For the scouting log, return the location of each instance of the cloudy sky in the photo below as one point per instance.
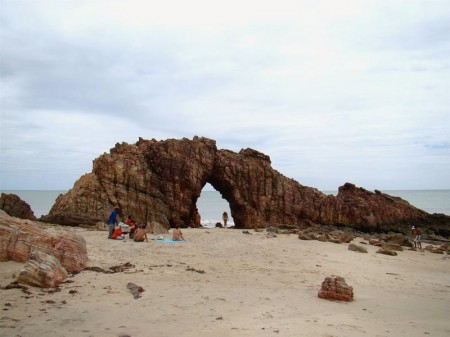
(333, 91)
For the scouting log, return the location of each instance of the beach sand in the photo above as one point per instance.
(251, 286)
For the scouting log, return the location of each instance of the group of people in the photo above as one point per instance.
(139, 234)
(137, 231)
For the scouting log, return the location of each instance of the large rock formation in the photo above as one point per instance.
(14, 206)
(19, 238)
(160, 181)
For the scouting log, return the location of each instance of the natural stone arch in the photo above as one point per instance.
(161, 181)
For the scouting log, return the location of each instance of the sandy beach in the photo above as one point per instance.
(222, 282)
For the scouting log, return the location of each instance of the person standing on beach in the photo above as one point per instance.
(197, 219)
(225, 219)
(112, 221)
(417, 235)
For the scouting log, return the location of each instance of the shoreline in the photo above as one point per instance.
(439, 203)
(252, 285)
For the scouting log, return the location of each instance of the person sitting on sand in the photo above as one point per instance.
(117, 235)
(141, 234)
(133, 229)
(177, 234)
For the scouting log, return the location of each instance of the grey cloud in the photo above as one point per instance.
(328, 101)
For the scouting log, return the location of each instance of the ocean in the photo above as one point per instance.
(211, 205)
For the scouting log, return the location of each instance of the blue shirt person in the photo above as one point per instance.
(112, 221)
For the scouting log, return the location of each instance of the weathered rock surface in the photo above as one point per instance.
(19, 238)
(356, 248)
(334, 288)
(435, 250)
(326, 234)
(42, 270)
(393, 246)
(161, 181)
(397, 238)
(14, 206)
(386, 252)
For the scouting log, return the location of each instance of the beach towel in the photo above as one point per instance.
(168, 240)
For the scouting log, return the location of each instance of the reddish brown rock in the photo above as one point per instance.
(19, 238)
(397, 238)
(161, 181)
(42, 270)
(14, 206)
(334, 288)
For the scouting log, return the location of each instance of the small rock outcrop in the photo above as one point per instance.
(393, 246)
(334, 288)
(14, 206)
(136, 290)
(386, 252)
(19, 238)
(42, 270)
(356, 248)
(161, 181)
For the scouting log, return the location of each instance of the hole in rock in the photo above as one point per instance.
(211, 206)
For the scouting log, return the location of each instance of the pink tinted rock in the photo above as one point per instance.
(19, 238)
(42, 270)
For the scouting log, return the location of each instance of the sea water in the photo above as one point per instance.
(211, 205)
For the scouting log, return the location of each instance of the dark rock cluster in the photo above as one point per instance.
(14, 206)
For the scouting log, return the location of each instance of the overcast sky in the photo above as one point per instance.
(333, 91)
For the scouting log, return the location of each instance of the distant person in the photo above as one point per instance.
(417, 235)
(225, 219)
(112, 221)
(197, 219)
(129, 221)
(141, 234)
(177, 235)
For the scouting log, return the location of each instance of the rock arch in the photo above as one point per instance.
(161, 181)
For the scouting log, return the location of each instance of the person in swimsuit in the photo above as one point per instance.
(141, 234)
(177, 234)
